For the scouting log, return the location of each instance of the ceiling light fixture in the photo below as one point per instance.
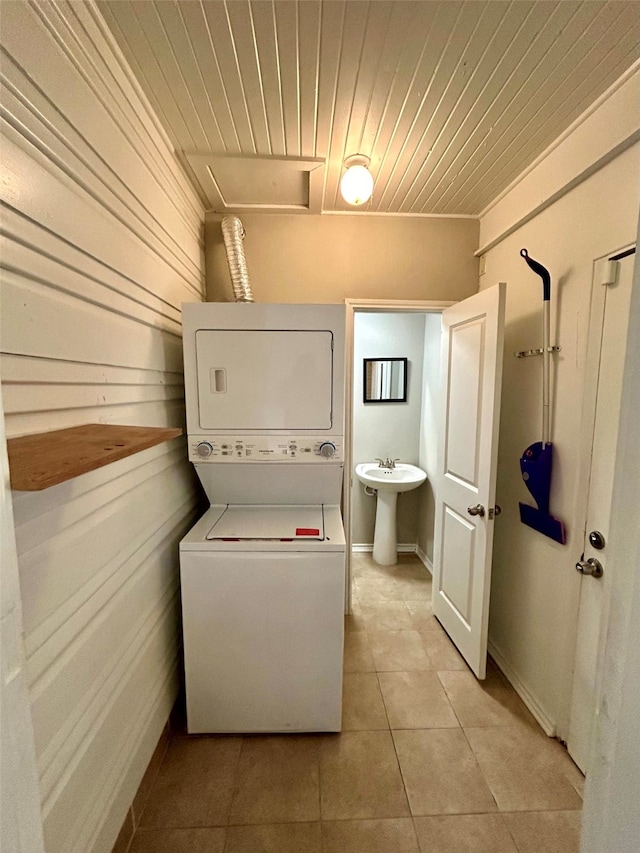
(356, 185)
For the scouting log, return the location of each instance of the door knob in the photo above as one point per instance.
(592, 567)
(478, 509)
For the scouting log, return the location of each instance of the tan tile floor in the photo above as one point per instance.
(429, 761)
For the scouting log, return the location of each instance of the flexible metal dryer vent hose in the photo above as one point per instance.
(233, 233)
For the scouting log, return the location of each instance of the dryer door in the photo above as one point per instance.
(264, 379)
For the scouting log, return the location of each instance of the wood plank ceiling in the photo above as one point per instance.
(450, 100)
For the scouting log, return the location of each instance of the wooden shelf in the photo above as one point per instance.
(48, 458)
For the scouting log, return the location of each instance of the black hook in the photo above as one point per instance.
(543, 272)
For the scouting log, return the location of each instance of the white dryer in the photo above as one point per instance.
(263, 571)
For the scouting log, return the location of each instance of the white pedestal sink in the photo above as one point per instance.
(388, 482)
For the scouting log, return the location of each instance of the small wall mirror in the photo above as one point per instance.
(385, 380)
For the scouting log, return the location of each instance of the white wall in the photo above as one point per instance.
(20, 823)
(534, 595)
(430, 420)
(386, 429)
(103, 242)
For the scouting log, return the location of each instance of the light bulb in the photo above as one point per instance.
(356, 185)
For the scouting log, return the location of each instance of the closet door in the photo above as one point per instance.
(472, 344)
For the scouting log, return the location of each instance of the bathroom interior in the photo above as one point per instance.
(406, 431)
(127, 127)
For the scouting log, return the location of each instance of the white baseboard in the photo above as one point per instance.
(424, 559)
(367, 547)
(547, 724)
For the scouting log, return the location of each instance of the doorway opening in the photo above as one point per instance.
(386, 329)
(459, 400)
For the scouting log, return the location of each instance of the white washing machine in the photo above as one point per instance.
(263, 571)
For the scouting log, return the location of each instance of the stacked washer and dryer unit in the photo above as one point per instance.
(263, 571)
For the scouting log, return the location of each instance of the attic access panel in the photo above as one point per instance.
(276, 184)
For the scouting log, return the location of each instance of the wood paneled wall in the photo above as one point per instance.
(101, 242)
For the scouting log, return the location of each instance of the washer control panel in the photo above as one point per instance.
(265, 448)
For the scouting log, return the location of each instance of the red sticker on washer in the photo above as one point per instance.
(307, 531)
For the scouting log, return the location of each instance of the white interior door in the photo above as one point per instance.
(609, 329)
(472, 345)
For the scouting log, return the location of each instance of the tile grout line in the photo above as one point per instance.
(235, 789)
(482, 773)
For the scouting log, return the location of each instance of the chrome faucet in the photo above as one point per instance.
(387, 463)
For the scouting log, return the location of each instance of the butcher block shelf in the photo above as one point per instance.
(48, 458)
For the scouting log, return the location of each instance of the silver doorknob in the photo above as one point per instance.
(592, 567)
(478, 509)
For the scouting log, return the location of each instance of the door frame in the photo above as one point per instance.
(618, 694)
(372, 306)
(604, 274)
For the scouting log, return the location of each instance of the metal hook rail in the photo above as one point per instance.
(527, 353)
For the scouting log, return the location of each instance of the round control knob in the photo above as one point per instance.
(327, 449)
(204, 449)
